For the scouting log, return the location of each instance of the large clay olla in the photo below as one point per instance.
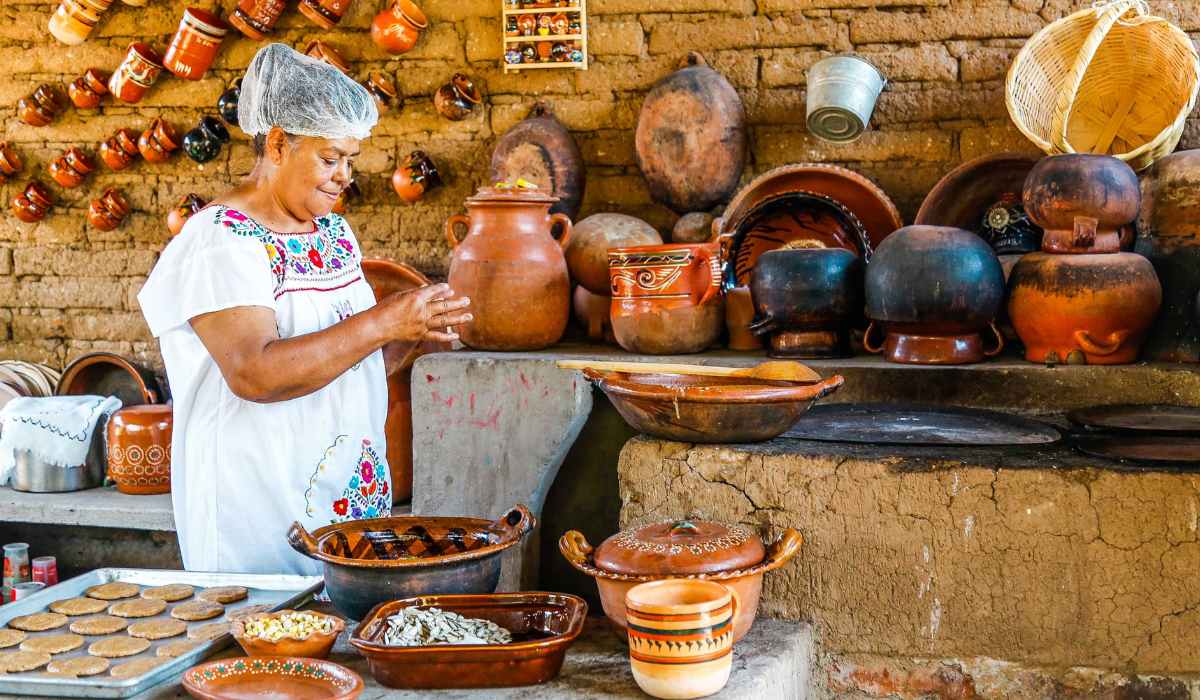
(1078, 309)
(1082, 201)
(541, 150)
(669, 330)
(587, 251)
(691, 138)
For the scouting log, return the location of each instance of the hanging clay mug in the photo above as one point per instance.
(666, 299)
(203, 143)
(324, 52)
(32, 204)
(87, 90)
(135, 75)
(256, 18)
(71, 168)
(10, 161)
(42, 106)
(195, 44)
(324, 13)
(227, 103)
(107, 212)
(456, 99)
(382, 89)
(415, 176)
(1082, 201)
(157, 143)
(120, 150)
(398, 27)
(181, 212)
(350, 193)
(74, 20)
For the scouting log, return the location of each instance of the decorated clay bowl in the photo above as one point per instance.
(368, 562)
(316, 646)
(272, 677)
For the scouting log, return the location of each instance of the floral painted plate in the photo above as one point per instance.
(256, 677)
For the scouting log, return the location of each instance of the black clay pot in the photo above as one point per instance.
(807, 299)
(933, 289)
(227, 104)
(203, 143)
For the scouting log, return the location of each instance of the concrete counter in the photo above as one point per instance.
(100, 507)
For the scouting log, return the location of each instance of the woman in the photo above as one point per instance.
(275, 348)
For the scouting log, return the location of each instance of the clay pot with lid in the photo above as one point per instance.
(730, 554)
(415, 176)
(1083, 309)
(139, 449)
(512, 269)
(195, 44)
(157, 143)
(71, 168)
(324, 52)
(188, 205)
(539, 149)
(256, 18)
(457, 99)
(203, 143)
(42, 106)
(107, 212)
(666, 298)
(33, 203)
(398, 27)
(10, 161)
(692, 162)
(591, 239)
(933, 292)
(89, 89)
(120, 149)
(74, 20)
(1082, 201)
(137, 72)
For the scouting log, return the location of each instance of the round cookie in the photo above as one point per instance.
(38, 622)
(113, 591)
(170, 592)
(79, 666)
(100, 624)
(246, 611)
(177, 648)
(137, 667)
(197, 610)
(11, 638)
(78, 606)
(21, 661)
(208, 632)
(141, 607)
(157, 629)
(224, 594)
(116, 647)
(52, 643)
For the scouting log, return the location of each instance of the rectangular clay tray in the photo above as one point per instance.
(279, 592)
(543, 625)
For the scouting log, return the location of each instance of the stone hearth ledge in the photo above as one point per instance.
(100, 507)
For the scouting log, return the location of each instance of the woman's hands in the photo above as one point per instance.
(420, 314)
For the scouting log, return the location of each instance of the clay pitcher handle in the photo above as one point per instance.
(1085, 232)
(693, 59)
(763, 326)
(514, 524)
(301, 541)
(999, 341)
(1094, 347)
(709, 263)
(783, 549)
(565, 220)
(456, 219)
(867, 340)
(575, 549)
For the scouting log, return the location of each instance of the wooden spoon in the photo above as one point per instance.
(778, 370)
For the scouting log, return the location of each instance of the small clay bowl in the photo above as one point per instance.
(119, 151)
(87, 90)
(316, 646)
(157, 143)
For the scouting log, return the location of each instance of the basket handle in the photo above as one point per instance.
(1109, 14)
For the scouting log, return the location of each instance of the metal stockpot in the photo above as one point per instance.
(842, 91)
(37, 476)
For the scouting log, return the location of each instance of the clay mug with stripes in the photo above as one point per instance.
(681, 636)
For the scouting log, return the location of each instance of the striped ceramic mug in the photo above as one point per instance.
(680, 636)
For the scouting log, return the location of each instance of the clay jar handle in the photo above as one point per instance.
(874, 349)
(1085, 232)
(999, 341)
(763, 326)
(783, 549)
(693, 59)
(566, 228)
(708, 262)
(456, 219)
(575, 548)
(1094, 347)
(514, 524)
(301, 541)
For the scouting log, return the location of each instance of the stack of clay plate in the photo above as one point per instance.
(25, 379)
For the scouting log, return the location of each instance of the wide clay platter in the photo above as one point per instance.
(1163, 450)
(262, 678)
(1149, 419)
(901, 424)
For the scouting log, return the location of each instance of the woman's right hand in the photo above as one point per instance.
(426, 313)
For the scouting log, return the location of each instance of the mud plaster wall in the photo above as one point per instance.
(66, 288)
(953, 561)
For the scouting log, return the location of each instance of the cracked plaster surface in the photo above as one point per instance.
(949, 558)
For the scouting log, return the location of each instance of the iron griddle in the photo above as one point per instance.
(1150, 419)
(912, 424)
(1166, 450)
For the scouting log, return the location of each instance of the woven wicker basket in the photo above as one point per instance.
(1109, 79)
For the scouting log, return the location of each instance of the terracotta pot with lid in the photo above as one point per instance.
(687, 548)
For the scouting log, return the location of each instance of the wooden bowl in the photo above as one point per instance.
(315, 646)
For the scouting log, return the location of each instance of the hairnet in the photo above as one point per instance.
(302, 96)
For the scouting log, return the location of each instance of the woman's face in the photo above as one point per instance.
(311, 172)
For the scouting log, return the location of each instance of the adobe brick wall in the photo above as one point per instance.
(66, 288)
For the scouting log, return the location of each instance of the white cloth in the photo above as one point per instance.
(242, 471)
(56, 429)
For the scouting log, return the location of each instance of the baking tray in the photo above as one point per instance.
(279, 592)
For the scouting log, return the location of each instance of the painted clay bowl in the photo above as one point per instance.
(316, 646)
(254, 678)
(371, 561)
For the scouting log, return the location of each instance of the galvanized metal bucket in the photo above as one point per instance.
(842, 91)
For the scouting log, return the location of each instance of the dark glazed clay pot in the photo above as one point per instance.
(457, 99)
(933, 289)
(415, 176)
(807, 299)
(539, 149)
(691, 138)
(984, 195)
(203, 143)
(1081, 201)
(227, 103)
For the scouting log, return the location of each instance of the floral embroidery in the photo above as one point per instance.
(368, 493)
(323, 260)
